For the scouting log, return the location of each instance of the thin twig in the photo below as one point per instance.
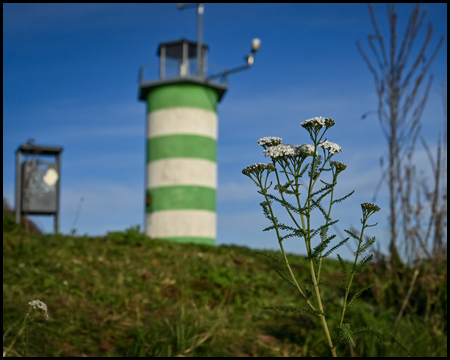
(399, 316)
(409, 354)
(14, 352)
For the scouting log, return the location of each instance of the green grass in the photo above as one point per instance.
(127, 295)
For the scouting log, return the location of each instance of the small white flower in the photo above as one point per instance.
(38, 304)
(272, 140)
(318, 122)
(281, 150)
(315, 121)
(255, 168)
(331, 147)
(307, 148)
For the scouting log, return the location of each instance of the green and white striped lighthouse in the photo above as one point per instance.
(181, 152)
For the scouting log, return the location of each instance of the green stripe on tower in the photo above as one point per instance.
(181, 146)
(181, 163)
(182, 197)
(182, 95)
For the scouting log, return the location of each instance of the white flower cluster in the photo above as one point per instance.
(369, 207)
(318, 120)
(254, 167)
(338, 165)
(331, 147)
(272, 140)
(37, 304)
(257, 168)
(307, 148)
(288, 150)
(281, 150)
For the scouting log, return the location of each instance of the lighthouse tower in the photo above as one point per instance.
(181, 152)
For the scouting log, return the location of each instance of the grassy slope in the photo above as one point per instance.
(128, 295)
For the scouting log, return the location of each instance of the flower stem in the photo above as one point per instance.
(347, 291)
(319, 301)
(24, 324)
(308, 247)
(284, 254)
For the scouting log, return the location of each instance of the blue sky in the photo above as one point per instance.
(70, 79)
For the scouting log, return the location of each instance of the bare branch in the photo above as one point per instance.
(399, 81)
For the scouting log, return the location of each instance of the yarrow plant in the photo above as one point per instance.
(31, 314)
(289, 164)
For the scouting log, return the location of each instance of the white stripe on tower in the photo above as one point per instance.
(182, 120)
(180, 171)
(182, 223)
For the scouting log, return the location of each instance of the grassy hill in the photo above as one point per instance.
(127, 295)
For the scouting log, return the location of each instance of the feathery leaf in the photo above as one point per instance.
(302, 172)
(286, 278)
(366, 245)
(346, 334)
(269, 256)
(271, 227)
(314, 232)
(353, 235)
(343, 198)
(343, 271)
(319, 248)
(358, 294)
(367, 330)
(284, 203)
(326, 188)
(294, 309)
(335, 247)
(364, 262)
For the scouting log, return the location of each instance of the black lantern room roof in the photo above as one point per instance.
(174, 49)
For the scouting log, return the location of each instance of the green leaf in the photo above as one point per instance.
(283, 189)
(353, 235)
(294, 309)
(302, 172)
(309, 290)
(294, 231)
(343, 198)
(367, 330)
(346, 334)
(297, 233)
(343, 271)
(284, 203)
(335, 247)
(269, 256)
(326, 188)
(316, 204)
(366, 245)
(269, 228)
(358, 294)
(367, 225)
(319, 229)
(286, 278)
(286, 227)
(319, 248)
(364, 262)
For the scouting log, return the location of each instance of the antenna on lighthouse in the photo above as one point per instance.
(200, 11)
(250, 58)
